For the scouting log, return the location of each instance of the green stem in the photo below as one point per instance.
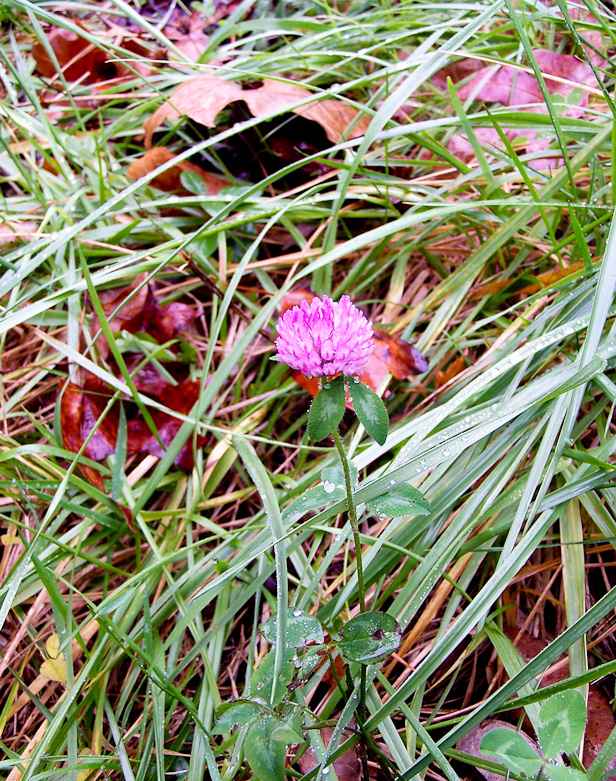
(352, 520)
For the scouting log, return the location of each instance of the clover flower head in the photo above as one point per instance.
(324, 337)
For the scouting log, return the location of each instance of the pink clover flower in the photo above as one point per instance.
(324, 337)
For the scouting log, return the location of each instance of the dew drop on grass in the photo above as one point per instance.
(325, 771)
(328, 487)
(446, 452)
(297, 612)
(392, 482)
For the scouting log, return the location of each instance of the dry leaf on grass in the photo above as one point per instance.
(135, 308)
(469, 744)
(202, 98)
(77, 57)
(170, 180)
(187, 32)
(11, 232)
(346, 767)
(82, 406)
(334, 116)
(564, 76)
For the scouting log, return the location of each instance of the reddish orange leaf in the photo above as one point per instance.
(170, 180)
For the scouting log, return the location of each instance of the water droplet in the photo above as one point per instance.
(327, 385)
(325, 771)
(419, 470)
(259, 687)
(356, 696)
(467, 419)
(393, 482)
(356, 380)
(446, 452)
(303, 498)
(328, 487)
(465, 438)
(297, 612)
(214, 560)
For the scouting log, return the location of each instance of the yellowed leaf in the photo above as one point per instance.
(83, 775)
(52, 646)
(55, 669)
(9, 539)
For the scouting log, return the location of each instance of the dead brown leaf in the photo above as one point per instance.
(77, 57)
(600, 722)
(346, 767)
(455, 367)
(170, 180)
(510, 86)
(80, 410)
(187, 32)
(543, 280)
(10, 232)
(134, 308)
(334, 116)
(203, 97)
(180, 398)
(470, 743)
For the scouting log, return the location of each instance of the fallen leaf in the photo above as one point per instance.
(455, 367)
(187, 32)
(55, 669)
(544, 280)
(134, 308)
(77, 57)
(170, 180)
(599, 724)
(513, 87)
(469, 744)
(52, 645)
(562, 73)
(202, 98)
(74, 433)
(180, 398)
(11, 232)
(334, 116)
(346, 767)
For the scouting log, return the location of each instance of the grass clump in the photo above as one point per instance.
(150, 449)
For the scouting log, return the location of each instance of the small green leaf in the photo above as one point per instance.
(264, 753)
(290, 729)
(370, 410)
(313, 499)
(562, 773)
(302, 628)
(369, 638)
(563, 720)
(308, 662)
(326, 410)
(233, 713)
(263, 677)
(512, 750)
(401, 500)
